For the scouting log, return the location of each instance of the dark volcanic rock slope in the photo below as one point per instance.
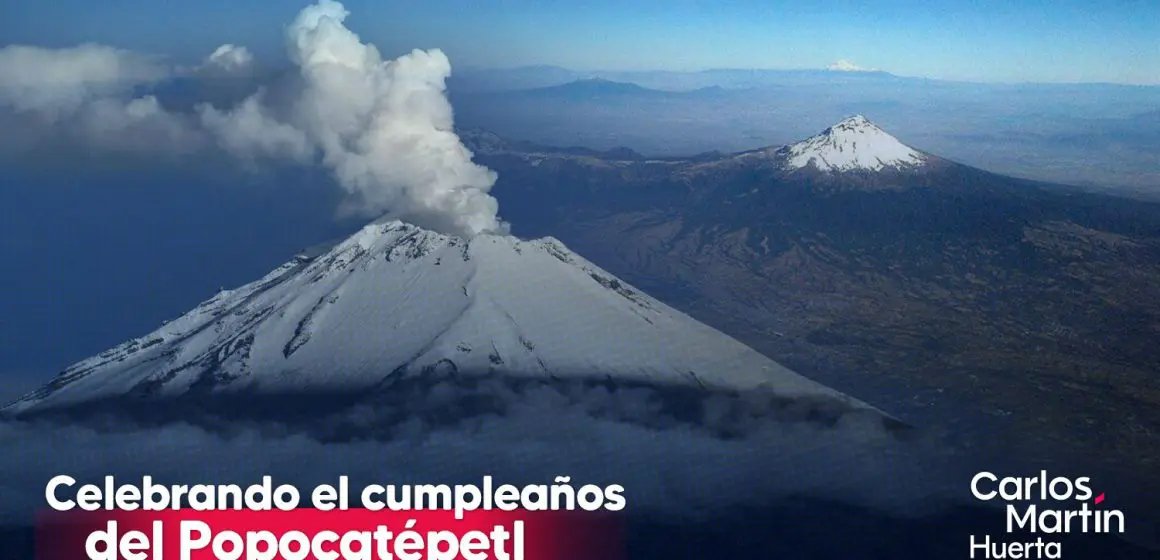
(965, 296)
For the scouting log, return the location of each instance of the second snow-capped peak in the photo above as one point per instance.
(853, 144)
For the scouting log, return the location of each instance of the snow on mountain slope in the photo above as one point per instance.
(847, 66)
(396, 300)
(853, 144)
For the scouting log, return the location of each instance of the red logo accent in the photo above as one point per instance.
(1099, 498)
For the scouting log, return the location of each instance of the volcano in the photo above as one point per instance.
(963, 297)
(854, 143)
(395, 302)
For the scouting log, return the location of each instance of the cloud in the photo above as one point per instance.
(384, 127)
(671, 464)
(58, 82)
(249, 132)
(847, 66)
(229, 58)
(85, 94)
(137, 125)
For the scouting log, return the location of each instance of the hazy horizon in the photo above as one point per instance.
(990, 41)
(787, 69)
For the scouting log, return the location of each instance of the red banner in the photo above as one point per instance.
(303, 534)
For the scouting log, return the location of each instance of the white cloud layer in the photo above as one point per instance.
(57, 82)
(670, 466)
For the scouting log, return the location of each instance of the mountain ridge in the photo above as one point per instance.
(595, 87)
(967, 296)
(852, 146)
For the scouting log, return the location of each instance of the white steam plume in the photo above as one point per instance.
(385, 127)
(249, 132)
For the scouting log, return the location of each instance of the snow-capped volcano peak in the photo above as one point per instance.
(856, 122)
(853, 144)
(847, 66)
(395, 301)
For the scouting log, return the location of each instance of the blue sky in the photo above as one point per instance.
(979, 40)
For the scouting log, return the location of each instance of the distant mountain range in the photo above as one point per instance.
(1097, 135)
(531, 77)
(967, 296)
(537, 76)
(596, 88)
(1102, 136)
